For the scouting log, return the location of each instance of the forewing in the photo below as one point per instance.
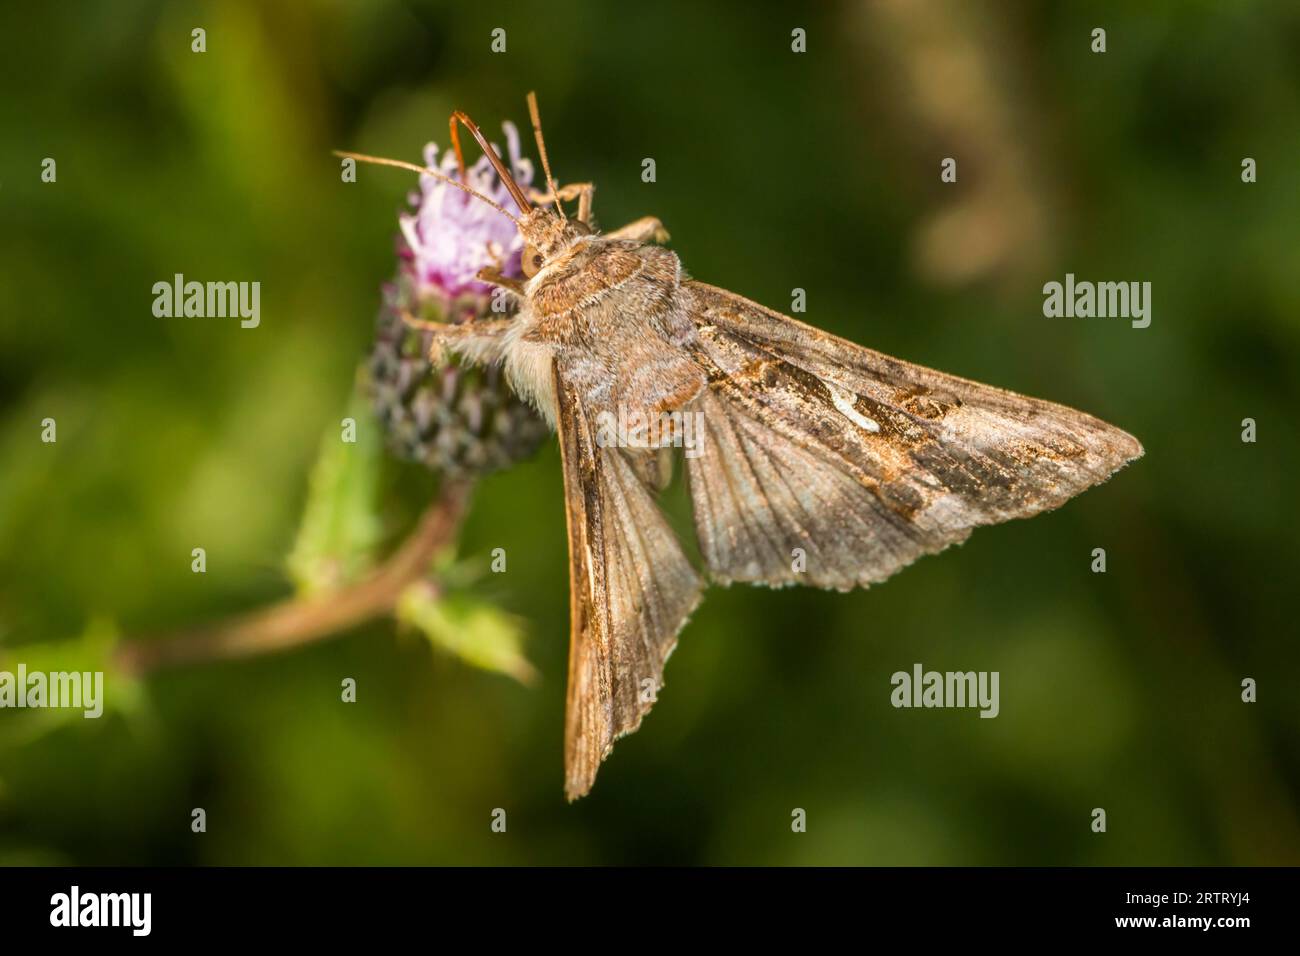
(862, 461)
(631, 590)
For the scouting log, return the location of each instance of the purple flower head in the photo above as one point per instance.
(451, 235)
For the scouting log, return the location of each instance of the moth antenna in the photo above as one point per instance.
(516, 193)
(426, 171)
(541, 149)
(455, 147)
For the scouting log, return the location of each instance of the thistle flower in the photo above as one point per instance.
(451, 236)
(454, 419)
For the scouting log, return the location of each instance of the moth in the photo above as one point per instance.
(820, 462)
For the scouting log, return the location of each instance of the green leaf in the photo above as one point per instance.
(471, 629)
(340, 525)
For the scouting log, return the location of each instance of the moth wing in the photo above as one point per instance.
(631, 591)
(863, 461)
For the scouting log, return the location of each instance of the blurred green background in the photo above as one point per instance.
(775, 170)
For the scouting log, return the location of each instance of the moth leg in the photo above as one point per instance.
(645, 229)
(494, 277)
(481, 340)
(585, 194)
(580, 191)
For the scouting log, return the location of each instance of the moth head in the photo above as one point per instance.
(546, 231)
(546, 234)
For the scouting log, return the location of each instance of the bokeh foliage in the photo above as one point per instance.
(775, 171)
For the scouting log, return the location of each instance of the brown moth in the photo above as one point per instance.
(810, 445)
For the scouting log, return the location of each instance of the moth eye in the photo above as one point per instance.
(531, 261)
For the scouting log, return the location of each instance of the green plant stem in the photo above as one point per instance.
(297, 621)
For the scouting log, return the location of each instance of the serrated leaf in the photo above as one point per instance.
(340, 525)
(471, 629)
